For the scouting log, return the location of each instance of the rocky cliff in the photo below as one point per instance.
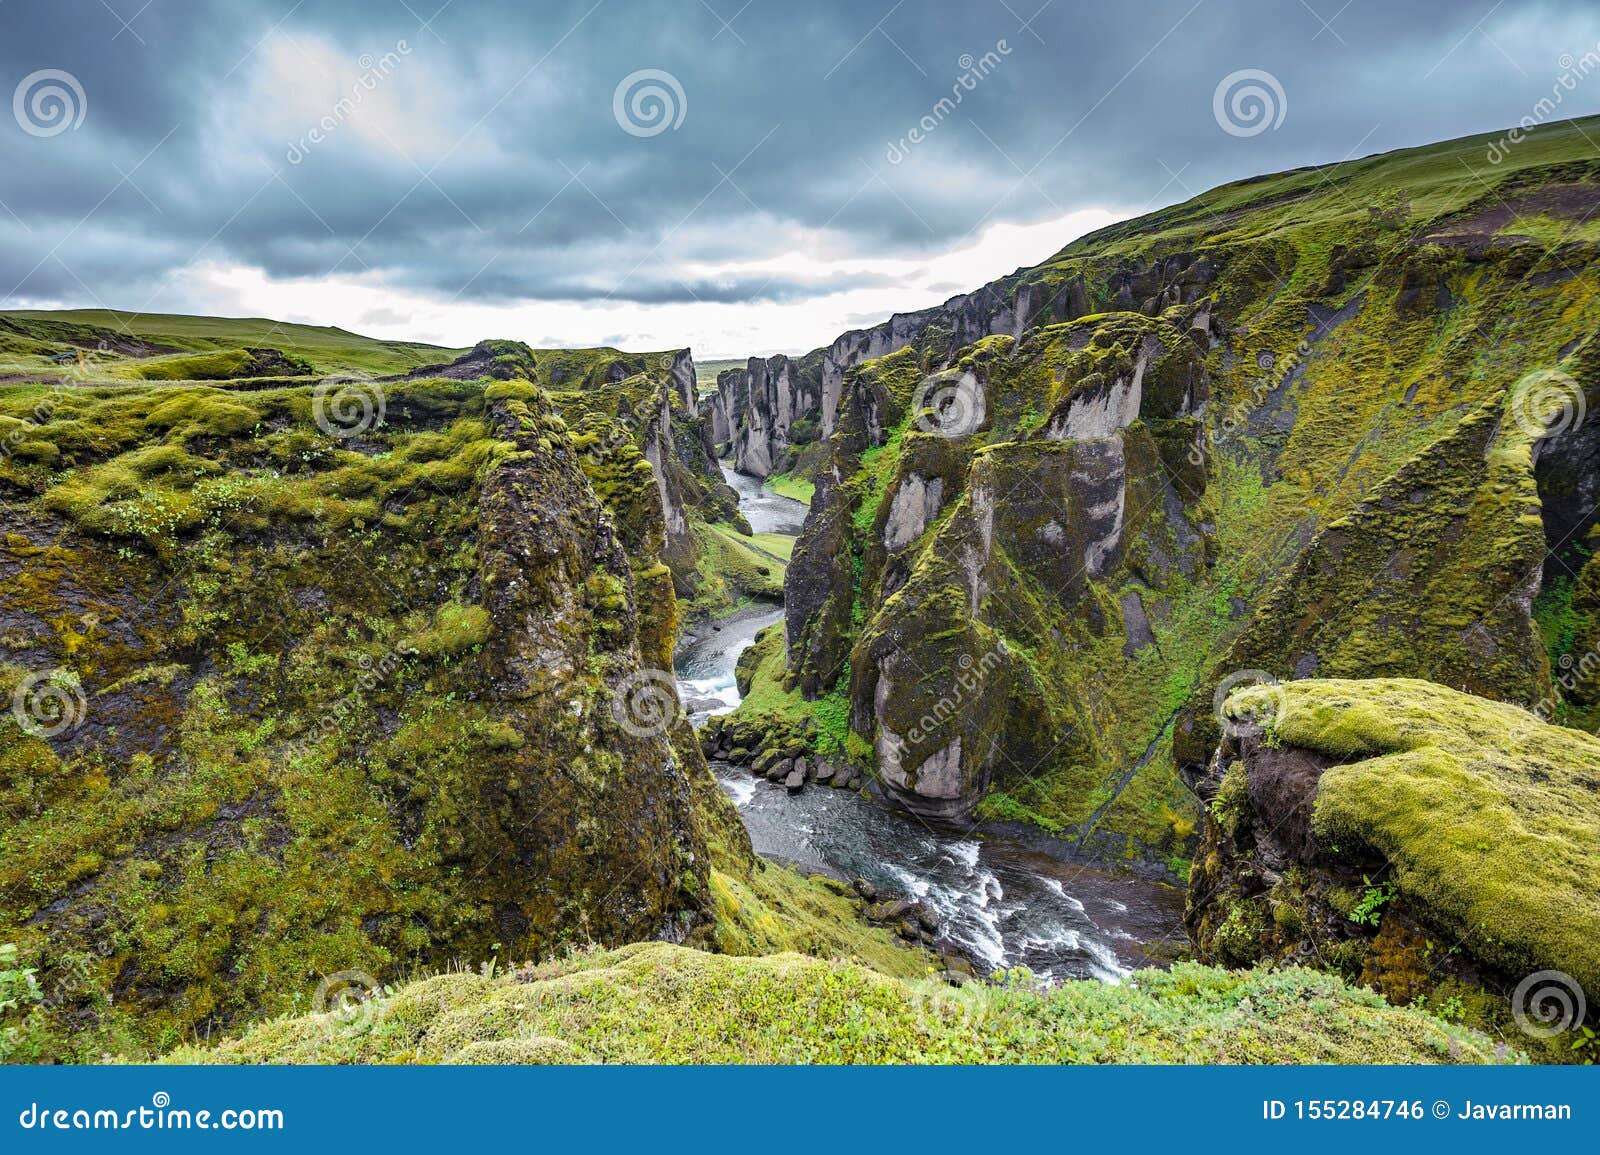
(337, 683)
(1326, 423)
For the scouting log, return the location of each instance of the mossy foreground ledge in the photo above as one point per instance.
(1429, 844)
(656, 1003)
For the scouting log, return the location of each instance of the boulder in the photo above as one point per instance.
(804, 766)
(795, 782)
(865, 889)
(823, 773)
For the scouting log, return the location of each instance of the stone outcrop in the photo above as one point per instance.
(375, 709)
(1421, 841)
(1175, 452)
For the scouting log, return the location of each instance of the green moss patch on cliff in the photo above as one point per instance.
(334, 703)
(1489, 818)
(654, 1003)
(795, 488)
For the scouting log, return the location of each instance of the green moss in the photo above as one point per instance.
(654, 1003)
(796, 488)
(1488, 816)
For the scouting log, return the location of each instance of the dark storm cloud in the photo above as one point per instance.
(486, 162)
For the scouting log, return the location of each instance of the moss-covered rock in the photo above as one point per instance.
(1409, 835)
(297, 704)
(1264, 430)
(654, 1003)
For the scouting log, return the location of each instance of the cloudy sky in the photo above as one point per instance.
(739, 175)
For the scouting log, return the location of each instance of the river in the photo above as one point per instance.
(1001, 901)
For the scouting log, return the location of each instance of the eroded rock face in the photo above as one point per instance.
(764, 411)
(1277, 450)
(328, 744)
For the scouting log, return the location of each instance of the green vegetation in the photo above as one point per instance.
(112, 340)
(1488, 817)
(654, 1003)
(788, 485)
(1274, 428)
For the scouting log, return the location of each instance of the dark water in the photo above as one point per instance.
(765, 510)
(705, 661)
(1000, 901)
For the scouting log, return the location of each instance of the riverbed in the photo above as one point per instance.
(1001, 902)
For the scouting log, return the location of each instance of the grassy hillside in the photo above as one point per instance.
(30, 339)
(654, 1003)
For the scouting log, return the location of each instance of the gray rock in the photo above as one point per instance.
(795, 781)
